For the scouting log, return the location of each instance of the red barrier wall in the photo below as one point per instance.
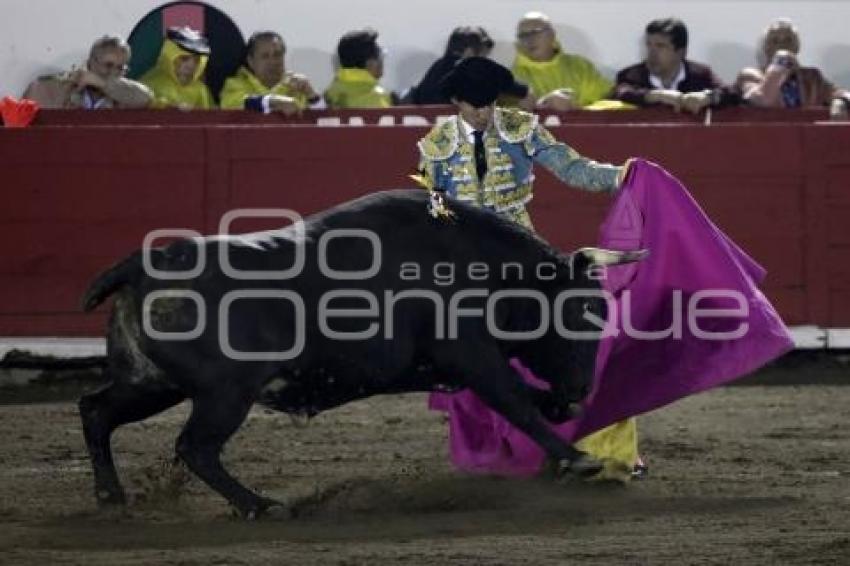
(75, 199)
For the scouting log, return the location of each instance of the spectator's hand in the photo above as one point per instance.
(783, 64)
(559, 100)
(694, 102)
(83, 78)
(838, 109)
(300, 84)
(286, 105)
(668, 97)
(747, 79)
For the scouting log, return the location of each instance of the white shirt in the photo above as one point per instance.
(466, 129)
(656, 81)
(91, 103)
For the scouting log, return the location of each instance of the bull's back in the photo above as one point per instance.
(400, 219)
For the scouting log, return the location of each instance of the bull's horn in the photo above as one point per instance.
(599, 256)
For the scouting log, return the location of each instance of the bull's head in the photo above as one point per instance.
(566, 356)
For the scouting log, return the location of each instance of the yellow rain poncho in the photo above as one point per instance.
(563, 71)
(168, 92)
(356, 88)
(245, 83)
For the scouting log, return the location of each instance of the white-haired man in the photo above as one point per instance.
(101, 84)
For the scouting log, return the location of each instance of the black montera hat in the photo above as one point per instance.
(479, 81)
(189, 39)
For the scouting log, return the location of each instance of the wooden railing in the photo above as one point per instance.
(81, 189)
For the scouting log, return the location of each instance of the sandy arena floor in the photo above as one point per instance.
(753, 474)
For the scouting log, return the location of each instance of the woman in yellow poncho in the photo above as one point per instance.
(176, 77)
(558, 80)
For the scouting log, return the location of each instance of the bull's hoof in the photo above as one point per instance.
(110, 497)
(584, 466)
(268, 509)
(299, 420)
(613, 472)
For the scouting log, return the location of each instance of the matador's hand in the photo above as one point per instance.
(624, 171)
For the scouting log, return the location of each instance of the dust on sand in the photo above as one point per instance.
(756, 474)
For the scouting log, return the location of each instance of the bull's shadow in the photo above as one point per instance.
(375, 510)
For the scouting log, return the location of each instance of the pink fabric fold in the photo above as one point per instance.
(688, 254)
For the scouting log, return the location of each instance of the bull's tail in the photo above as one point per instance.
(125, 272)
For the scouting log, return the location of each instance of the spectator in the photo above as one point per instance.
(464, 41)
(667, 77)
(176, 77)
(782, 82)
(361, 65)
(263, 84)
(100, 85)
(559, 81)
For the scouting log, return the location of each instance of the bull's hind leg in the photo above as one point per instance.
(216, 415)
(102, 412)
(499, 386)
(137, 390)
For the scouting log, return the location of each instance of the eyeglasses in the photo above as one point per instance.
(530, 33)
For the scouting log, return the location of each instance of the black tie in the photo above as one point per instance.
(480, 156)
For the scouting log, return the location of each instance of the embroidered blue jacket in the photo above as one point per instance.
(513, 144)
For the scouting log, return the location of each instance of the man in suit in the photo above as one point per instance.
(667, 77)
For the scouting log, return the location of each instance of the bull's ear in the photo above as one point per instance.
(583, 257)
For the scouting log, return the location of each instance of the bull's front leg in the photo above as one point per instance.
(215, 416)
(499, 386)
(551, 408)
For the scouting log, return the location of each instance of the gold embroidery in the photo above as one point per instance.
(469, 190)
(499, 190)
(546, 136)
(441, 142)
(508, 199)
(499, 178)
(461, 169)
(520, 216)
(514, 126)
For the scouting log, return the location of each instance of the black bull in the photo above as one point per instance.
(410, 303)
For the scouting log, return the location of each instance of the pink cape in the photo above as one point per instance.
(688, 254)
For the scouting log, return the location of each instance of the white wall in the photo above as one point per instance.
(39, 36)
